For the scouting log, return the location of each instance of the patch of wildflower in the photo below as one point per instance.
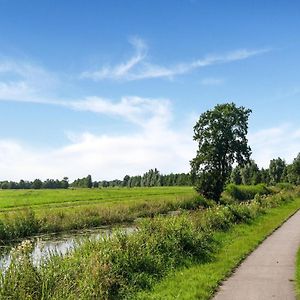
(22, 251)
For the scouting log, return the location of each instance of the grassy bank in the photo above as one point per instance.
(25, 213)
(298, 275)
(118, 268)
(200, 281)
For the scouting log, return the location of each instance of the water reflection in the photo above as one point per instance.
(60, 243)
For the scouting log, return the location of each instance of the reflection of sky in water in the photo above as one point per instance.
(47, 244)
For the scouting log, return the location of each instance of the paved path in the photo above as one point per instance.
(268, 272)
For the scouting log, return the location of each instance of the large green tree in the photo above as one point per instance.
(221, 134)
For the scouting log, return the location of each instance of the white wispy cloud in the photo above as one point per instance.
(139, 67)
(21, 82)
(24, 81)
(155, 143)
(16, 90)
(26, 71)
(145, 112)
(135, 109)
(121, 70)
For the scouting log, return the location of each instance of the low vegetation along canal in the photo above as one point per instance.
(45, 245)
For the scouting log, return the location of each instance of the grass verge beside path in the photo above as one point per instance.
(200, 281)
(298, 275)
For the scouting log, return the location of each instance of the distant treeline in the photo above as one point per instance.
(149, 179)
(278, 171)
(36, 184)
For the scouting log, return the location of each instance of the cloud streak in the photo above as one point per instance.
(140, 111)
(145, 112)
(21, 83)
(124, 68)
(154, 143)
(24, 81)
(139, 67)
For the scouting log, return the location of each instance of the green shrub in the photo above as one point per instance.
(285, 186)
(198, 201)
(245, 192)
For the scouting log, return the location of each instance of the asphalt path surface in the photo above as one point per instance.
(268, 272)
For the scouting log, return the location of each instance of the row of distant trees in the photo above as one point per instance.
(149, 179)
(278, 171)
(36, 184)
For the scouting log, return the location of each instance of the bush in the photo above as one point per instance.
(245, 192)
(285, 186)
(199, 201)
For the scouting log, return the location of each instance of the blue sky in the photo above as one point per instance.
(110, 88)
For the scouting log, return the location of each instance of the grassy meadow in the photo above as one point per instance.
(69, 198)
(28, 212)
(204, 246)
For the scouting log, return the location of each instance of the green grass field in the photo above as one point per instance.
(39, 199)
(28, 212)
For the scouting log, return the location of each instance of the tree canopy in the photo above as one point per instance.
(221, 134)
(276, 170)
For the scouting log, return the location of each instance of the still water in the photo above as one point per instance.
(44, 245)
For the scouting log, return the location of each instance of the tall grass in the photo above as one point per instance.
(47, 199)
(118, 267)
(26, 222)
(200, 281)
(18, 225)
